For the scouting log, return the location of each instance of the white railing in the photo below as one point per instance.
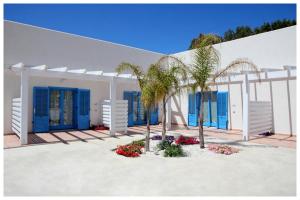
(260, 117)
(16, 116)
(121, 114)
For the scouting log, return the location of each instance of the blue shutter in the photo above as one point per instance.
(154, 116)
(129, 97)
(194, 107)
(222, 110)
(40, 109)
(83, 111)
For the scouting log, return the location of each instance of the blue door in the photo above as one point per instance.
(83, 109)
(40, 109)
(194, 108)
(222, 110)
(154, 115)
(129, 97)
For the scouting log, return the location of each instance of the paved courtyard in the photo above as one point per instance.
(92, 168)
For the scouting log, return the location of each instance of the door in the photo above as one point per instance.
(40, 109)
(206, 109)
(194, 102)
(129, 97)
(83, 109)
(213, 109)
(61, 108)
(222, 110)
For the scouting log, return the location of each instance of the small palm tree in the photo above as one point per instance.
(147, 88)
(167, 80)
(204, 72)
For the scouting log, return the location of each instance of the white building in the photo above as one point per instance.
(55, 80)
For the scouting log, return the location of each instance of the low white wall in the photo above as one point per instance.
(260, 117)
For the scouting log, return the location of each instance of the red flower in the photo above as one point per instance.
(186, 140)
(129, 150)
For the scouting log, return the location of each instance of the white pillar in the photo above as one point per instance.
(168, 115)
(113, 98)
(246, 108)
(24, 106)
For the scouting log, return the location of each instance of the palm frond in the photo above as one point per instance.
(241, 64)
(133, 69)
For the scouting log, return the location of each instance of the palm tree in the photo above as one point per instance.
(204, 72)
(167, 80)
(147, 88)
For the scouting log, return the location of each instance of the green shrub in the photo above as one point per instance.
(174, 151)
(139, 143)
(163, 145)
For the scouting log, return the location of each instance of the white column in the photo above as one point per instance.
(113, 98)
(168, 115)
(246, 108)
(24, 106)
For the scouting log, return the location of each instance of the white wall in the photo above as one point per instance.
(36, 46)
(271, 49)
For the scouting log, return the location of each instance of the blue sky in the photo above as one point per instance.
(165, 28)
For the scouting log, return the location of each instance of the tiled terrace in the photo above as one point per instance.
(11, 141)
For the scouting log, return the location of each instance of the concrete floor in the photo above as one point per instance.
(91, 168)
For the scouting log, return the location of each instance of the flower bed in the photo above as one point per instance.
(222, 149)
(184, 140)
(131, 150)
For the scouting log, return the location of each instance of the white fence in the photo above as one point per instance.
(121, 114)
(260, 117)
(16, 116)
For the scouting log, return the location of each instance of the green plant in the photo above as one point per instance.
(174, 151)
(139, 143)
(163, 144)
(167, 74)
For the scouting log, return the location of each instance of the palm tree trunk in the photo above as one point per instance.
(201, 137)
(147, 139)
(164, 120)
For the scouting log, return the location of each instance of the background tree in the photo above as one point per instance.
(197, 41)
(244, 31)
(229, 35)
(204, 72)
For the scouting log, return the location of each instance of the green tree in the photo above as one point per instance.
(229, 35)
(265, 27)
(147, 87)
(204, 72)
(167, 76)
(243, 31)
(197, 41)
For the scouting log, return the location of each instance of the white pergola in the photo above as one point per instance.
(26, 71)
(244, 78)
